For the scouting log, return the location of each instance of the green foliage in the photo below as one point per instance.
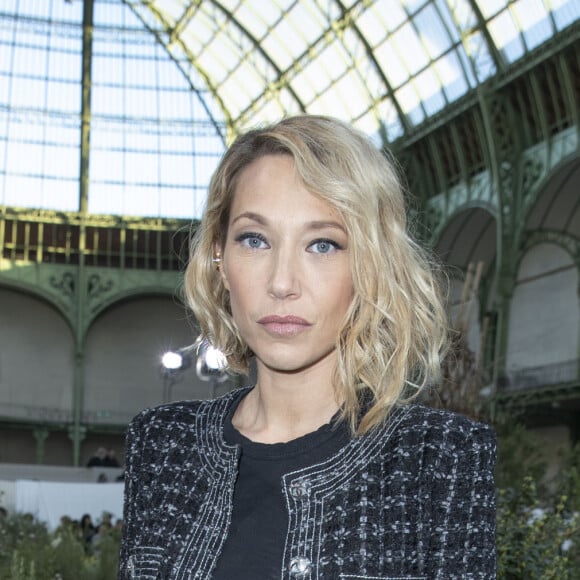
(571, 478)
(29, 552)
(106, 558)
(538, 522)
(519, 454)
(533, 536)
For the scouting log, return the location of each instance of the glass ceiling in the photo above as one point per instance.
(386, 65)
(172, 81)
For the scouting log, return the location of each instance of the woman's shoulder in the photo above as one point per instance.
(180, 414)
(446, 429)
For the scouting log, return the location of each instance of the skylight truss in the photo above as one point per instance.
(386, 65)
(173, 81)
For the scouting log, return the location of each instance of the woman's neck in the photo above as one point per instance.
(283, 407)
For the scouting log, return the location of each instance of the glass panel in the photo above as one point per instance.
(533, 18)
(410, 103)
(145, 120)
(452, 76)
(413, 5)
(429, 88)
(456, 17)
(39, 105)
(410, 49)
(392, 64)
(479, 55)
(284, 44)
(432, 31)
(490, 8)
(565, 12)
(506, 36)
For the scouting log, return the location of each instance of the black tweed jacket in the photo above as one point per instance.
(412, 500)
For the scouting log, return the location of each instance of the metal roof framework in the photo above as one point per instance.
(136, 100)
(385, 65)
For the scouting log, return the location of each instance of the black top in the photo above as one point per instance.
(254, 546)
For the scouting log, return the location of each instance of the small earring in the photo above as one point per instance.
(217, 260)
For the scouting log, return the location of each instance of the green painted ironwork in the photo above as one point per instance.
(43, 252)
(40, 435)
(495, 152)
(81, 265)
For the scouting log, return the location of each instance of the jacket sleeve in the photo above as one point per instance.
(463, 545)
(133, 455)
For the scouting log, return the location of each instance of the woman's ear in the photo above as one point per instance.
(219, 264)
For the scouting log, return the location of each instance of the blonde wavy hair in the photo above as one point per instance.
(395, 331)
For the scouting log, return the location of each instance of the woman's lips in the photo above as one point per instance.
(284, 325)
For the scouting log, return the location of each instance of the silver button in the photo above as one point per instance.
(300, 567)
(300, 489)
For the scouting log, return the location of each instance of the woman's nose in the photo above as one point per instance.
(284, 275)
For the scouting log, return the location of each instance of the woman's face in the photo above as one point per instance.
(286, 266)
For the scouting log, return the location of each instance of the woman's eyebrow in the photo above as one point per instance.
(251, 216)
(322, 224)
(312, 225)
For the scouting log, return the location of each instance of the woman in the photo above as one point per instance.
(324, 469)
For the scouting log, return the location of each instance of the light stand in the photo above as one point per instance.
(173, 363)
(211, 365)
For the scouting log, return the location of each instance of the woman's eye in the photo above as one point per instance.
(323, 246)
(252, 241)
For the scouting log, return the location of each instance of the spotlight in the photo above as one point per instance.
(215, 359)
(172, 360)
(173, 364)
(211, 365)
